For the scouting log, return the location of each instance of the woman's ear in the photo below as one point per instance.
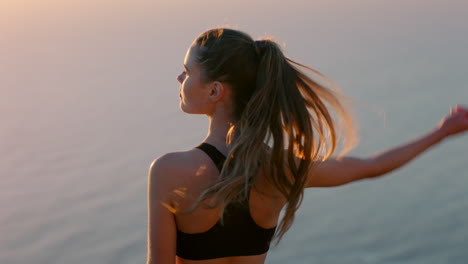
(217, 91)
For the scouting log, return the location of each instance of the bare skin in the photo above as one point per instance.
(176, 178)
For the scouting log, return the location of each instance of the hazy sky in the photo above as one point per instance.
(54, 52)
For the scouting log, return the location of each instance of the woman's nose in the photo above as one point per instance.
(180, 77)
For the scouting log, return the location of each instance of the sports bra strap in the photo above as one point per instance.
(216, 156)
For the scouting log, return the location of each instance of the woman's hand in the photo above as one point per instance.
(456, 122)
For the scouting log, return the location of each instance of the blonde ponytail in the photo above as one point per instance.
(276, 105)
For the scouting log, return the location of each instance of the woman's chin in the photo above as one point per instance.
(184, 108)
(188, 110)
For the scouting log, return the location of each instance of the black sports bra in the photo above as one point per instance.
(239, 235)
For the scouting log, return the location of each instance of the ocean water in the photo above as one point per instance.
(88, 99)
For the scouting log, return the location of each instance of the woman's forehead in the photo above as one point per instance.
(190, 56)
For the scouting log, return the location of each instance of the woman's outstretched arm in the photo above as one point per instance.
(335, 172)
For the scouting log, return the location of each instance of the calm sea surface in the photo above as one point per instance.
(88, 99)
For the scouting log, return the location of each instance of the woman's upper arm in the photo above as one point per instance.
(161, 221)
(335, 172)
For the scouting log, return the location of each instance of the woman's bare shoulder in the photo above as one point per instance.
(174, 161)
(180, 166)
(171, 159)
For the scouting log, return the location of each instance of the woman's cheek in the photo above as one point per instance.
(185, 83)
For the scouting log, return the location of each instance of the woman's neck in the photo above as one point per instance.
(217, 132)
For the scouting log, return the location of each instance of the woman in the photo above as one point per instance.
(271, 134)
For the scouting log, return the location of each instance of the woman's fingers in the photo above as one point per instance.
(459, 109)
(456, 122)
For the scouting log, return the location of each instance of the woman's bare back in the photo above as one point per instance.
(199, 171)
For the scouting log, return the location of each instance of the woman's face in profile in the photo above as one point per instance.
(193, 91)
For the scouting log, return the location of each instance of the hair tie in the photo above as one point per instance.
(259, 46)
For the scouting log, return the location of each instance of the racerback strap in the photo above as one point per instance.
(216, 156)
